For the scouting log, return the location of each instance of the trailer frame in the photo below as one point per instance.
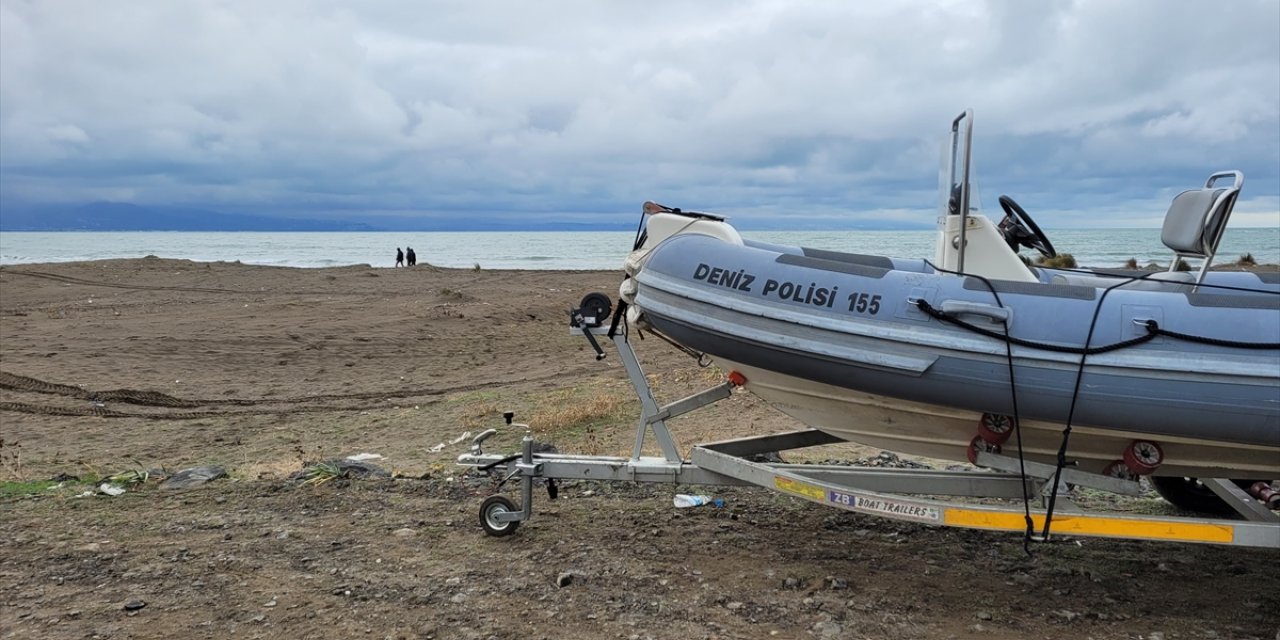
(902, 494)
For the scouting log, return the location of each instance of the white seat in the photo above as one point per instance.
(1196, 219)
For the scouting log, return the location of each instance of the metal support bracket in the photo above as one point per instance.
(1242, 502)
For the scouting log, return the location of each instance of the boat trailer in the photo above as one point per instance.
(912, 495)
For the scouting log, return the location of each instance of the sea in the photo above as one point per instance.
(554, 249)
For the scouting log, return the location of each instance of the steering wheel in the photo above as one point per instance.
(1019, 229)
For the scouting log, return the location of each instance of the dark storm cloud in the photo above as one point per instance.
(1097, 112)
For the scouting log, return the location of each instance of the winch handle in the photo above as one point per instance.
(576, 320)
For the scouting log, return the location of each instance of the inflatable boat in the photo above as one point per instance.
(1125, 373)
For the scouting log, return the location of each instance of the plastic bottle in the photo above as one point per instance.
(683, 500)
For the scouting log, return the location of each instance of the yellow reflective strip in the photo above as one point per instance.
(799, 488)
(1091, 525)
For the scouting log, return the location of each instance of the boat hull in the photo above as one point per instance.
(944, 433)
(847, 350)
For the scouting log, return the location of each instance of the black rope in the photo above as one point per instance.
(640, 233)
(1061, 461)
(1218, 342)
(946, 317)
(1028, 524)
(1153, 330)
(619, 316)
(693, 353)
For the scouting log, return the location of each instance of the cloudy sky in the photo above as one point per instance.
(1089, 113)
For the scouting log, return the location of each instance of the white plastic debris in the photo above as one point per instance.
(460, 438)
(437, 449)
(361, 457)
(110, 489)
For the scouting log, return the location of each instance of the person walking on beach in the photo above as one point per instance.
(413, 257)
(399, 257)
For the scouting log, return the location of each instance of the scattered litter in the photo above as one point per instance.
(193, 477)
(683, 500)
(88, 493)
(360, 457)
(110, 489)
(437, 449)
(460, 438)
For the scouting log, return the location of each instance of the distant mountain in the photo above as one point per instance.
(119, 216)
(478, 223)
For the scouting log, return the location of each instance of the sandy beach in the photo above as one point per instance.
(158, 364)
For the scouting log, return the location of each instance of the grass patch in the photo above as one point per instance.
(318, 474)
(15, 488)
(130, 477)
(1131, 263)
(478, 409)
(1247, 260)
(580, 413)
(1149, 503)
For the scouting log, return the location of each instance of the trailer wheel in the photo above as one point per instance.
(1143, 456)
(1120, 469)
(995, 428)
(978, 444)
(492, 506)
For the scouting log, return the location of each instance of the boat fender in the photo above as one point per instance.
(627, 290)
(635, 261)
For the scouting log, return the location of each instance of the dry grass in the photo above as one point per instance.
(478, 410)
(276, 469)
(580, 414)
(1060, 261)
(11, 461)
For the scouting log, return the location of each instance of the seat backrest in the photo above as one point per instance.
(1193, 221)
(1196, 219)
